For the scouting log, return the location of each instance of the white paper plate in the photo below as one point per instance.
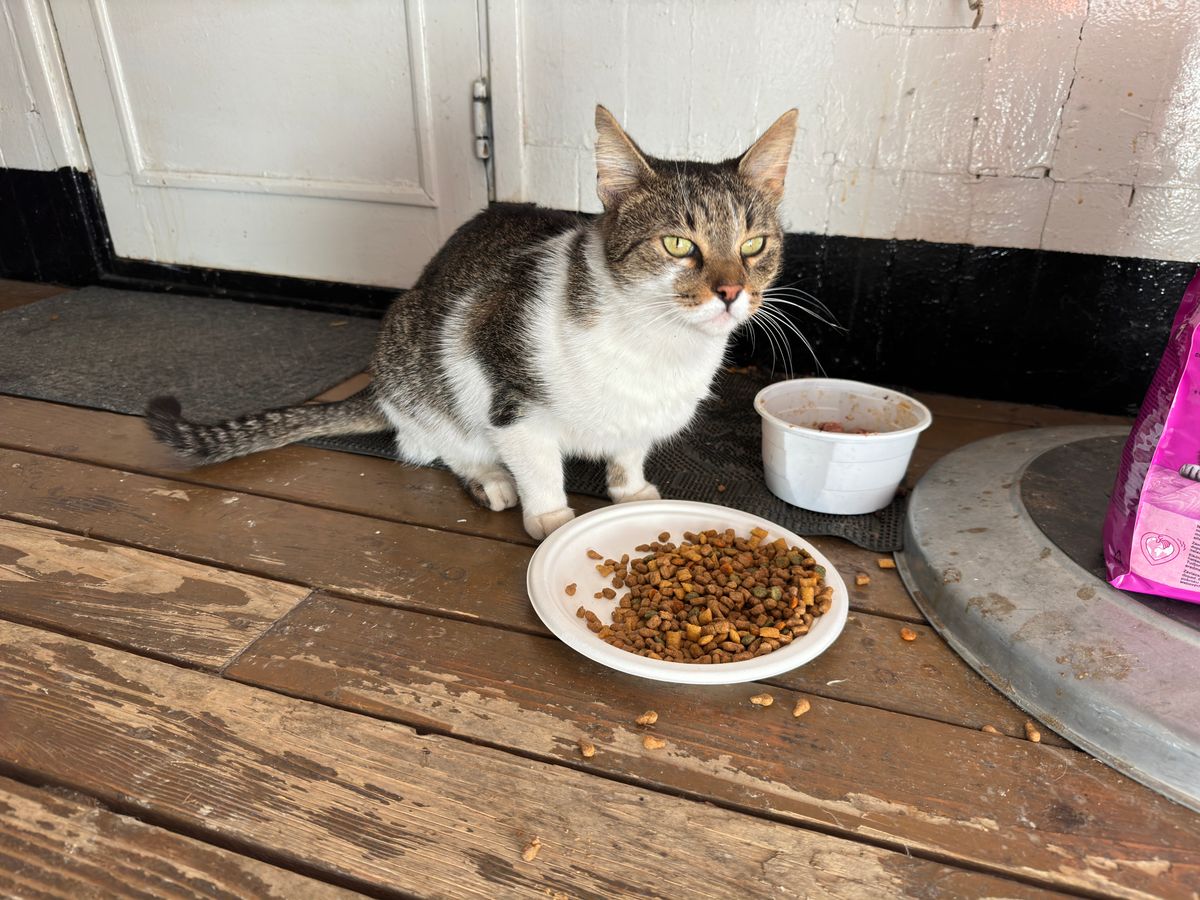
(562, 559)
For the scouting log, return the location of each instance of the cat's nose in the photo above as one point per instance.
(728, 293)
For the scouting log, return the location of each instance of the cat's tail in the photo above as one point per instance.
(202, 443)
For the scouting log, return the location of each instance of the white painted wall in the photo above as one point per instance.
(1064, 124)
(38, 125)
(1061, 124)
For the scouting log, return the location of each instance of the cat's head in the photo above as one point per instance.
(700, 241)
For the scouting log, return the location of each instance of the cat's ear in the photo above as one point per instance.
(620, 166)
(765, 164)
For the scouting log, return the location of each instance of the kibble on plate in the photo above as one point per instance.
(714, 598)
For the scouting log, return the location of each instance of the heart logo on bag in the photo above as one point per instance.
(1159, 548)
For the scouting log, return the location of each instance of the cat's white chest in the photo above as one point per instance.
(625, 397)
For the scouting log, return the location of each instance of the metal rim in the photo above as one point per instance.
(1088, 660)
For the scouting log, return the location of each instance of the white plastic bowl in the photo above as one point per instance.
(831, 472)
(562, 559)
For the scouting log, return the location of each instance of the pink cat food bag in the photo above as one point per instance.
(1152, 531)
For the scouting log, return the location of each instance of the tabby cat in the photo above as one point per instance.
(535, 334)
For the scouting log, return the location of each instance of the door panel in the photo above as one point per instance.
(310, 138)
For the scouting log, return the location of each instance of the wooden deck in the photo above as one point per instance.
(309, 674)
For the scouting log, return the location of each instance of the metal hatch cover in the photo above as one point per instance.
(1101, 667)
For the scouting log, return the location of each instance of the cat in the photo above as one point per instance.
(535, 334)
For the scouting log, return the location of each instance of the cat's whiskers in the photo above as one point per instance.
(791, 286)
(799, 295)
(771, 299)
(773, 322)
(783, 322)
(762, 323)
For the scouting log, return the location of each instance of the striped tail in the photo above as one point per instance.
(210, 443)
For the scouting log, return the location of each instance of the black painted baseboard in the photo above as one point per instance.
(51, 227)
(1031, 326)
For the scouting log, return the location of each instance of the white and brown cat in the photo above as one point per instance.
(534, 334)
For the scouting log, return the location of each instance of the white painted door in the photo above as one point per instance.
(326, 139)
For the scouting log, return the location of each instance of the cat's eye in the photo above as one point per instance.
(754, 246)
(678, 246)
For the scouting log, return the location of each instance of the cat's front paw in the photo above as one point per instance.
(646, 492)
(540, 526)
(494, 490)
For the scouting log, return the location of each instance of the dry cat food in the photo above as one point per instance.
(586, 748)
(714, 598)
(907, 634)
(762, 699)
(802, 706)
(529, 854)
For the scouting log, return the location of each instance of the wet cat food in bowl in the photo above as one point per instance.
(848, 472)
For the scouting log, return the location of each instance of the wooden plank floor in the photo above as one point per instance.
(315, 674)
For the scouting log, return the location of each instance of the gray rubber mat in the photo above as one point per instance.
(113, 349)
(717, 460)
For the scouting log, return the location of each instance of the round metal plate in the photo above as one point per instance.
(1093, 663)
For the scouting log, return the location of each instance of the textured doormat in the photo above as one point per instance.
(114, 350)
(722, 449)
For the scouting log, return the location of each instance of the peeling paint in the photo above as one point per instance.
(541, 732)
(29, 517)
(173, 494)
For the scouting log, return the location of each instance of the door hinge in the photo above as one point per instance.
(481, 104)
